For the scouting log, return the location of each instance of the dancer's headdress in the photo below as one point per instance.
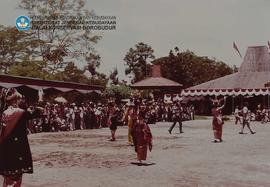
(7, 95)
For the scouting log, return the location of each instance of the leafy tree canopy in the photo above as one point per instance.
(189, 69)
(58, 47)
(14, 46)
(137, 61)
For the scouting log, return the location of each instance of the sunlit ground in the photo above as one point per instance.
(87, 159)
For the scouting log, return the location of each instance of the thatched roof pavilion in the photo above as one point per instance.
(253, 77)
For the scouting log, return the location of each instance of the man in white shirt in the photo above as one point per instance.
(246, 119)
(237, 115)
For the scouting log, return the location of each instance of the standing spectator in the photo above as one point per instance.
(82, 124)
(77, 118)
(87, 117)
(72, 117)
(264, 115)
(98, 113)
(192, 112)
(258, 116)
(237, 115)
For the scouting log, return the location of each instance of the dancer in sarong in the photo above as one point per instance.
(129, 118)
(217, 121)
(112, 119)
(142, 137)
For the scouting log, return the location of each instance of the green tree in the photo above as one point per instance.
(14, 46)
(55, 45)
(71, 73)
(118, 92)
(113, 77)
(189, 69)
(137, 61)
(93, 62)
(28, 68)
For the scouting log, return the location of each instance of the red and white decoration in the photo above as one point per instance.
(225, 92)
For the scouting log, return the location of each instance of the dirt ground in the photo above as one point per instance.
(87, 159)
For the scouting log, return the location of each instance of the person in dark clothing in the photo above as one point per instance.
(15, 154)
(87, 118)
(113, 119)
(46, 127)
(77, 119)
(177, 117)
(114, 124)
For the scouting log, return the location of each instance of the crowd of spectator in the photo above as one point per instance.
(261, 114)
(88, 115)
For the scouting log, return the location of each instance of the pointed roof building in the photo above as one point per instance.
(253, 77)
(156, 81)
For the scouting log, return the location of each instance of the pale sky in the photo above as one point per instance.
(206, 27)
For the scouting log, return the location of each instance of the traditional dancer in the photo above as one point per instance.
(217, 121)
(129, 118)
(246, 119)
(142, 137)
(112, 120)
(15, 154)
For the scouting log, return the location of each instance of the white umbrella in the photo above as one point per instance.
(60, 100)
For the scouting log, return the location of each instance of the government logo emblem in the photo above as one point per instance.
(23, 23)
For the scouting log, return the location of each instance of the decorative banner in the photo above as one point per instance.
(227, 92)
